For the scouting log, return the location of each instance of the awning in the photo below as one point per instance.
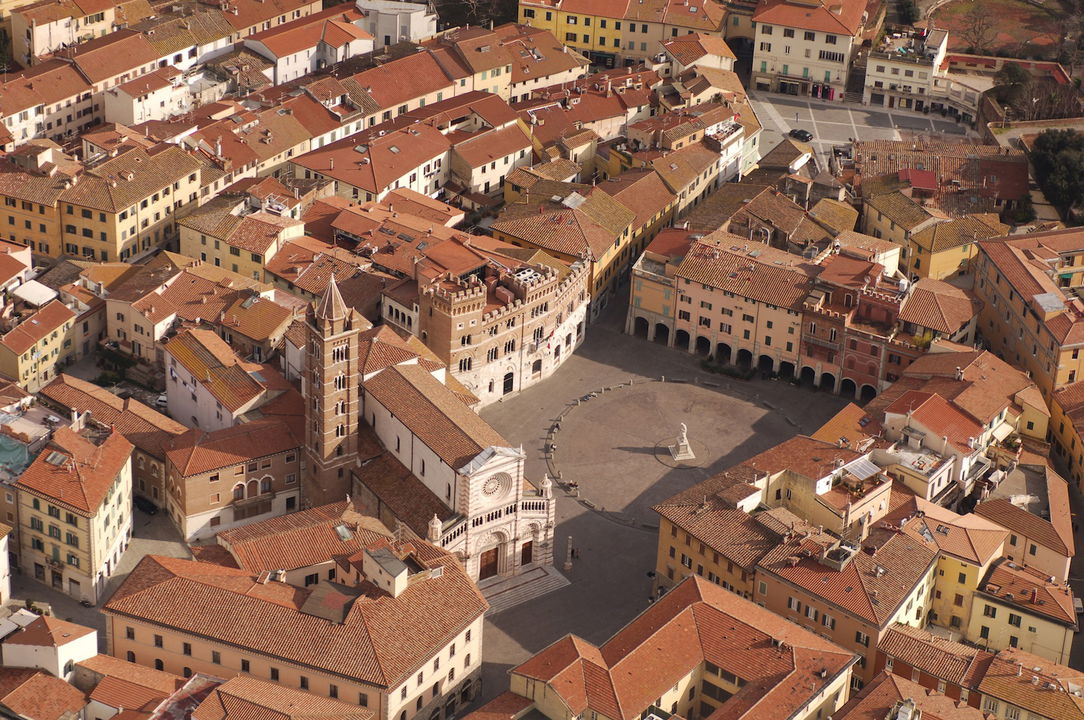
(1003, 431)
(34, 293)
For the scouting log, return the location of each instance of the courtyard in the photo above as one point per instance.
(614, 446)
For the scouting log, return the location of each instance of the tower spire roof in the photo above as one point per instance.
(331, 305)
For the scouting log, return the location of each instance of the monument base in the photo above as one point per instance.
(682, 451)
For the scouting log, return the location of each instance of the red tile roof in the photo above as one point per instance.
(885, 695)
(721, 261)
(382, 640)
(73, 472)
(779, 663)
(38, 695)
(859, 589)
(842, 17)
(1029, 589)
(939, 417)
(248, 698)
(302, 538)
(36, 327)
(953, 662)
(433, 413)
(197, 452)
(48, 631)
(142, 426)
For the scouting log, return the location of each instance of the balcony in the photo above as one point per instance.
(821, 342)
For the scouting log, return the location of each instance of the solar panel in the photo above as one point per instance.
(862, 468)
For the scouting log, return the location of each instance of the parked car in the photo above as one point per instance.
(803, 135)
(160, 401)
(145, 505)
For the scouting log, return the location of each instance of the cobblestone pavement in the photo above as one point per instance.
(608, 445)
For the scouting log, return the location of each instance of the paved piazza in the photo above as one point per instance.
(614, 437)
(834, 123)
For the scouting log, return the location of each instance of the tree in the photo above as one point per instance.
(978, 28)
(1058, 158)
(1011, 84)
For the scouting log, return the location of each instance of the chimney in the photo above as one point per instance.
(331, 163)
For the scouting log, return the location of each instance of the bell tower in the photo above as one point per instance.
(330, 387)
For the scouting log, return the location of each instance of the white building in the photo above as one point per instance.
(462, 463)
(391, 21)
(50, 644)
(804, 47)
(157, 95)
(311, 43)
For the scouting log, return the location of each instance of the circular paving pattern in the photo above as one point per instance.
(613, 448)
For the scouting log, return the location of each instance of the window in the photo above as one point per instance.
(303, 683)
(275, 674)
(989, 611)
(129, 633)
(1014, 619)
(245, 666)
(1032, 550)
(187, 648)
(788, 32)
(861, 638)
(158, 641)
(216, 657)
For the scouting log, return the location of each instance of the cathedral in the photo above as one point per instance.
(387, 425)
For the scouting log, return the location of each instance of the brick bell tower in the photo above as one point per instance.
(330, 388)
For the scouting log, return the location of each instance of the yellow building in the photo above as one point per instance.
(385, 593)
(688, 668)
(598, 228)
(621, 30)
(75, 511)
(33, 352)
(124, 208)
(1067, 427)
(967, 547)
(32, 179)
(1017, 607)
(653, 290)
(945, 249)
(1031, 316)
(895, 577)
(218, 233)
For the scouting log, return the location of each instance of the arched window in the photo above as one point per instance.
(265, 485)
(253, 488)
(239, 492)
(131, 656)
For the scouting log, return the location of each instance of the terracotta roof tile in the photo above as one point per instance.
(302, 538)
(1030, 590)
(48, 631)
(883, 697)
(1009, 679)
(142, 426)
(109, 666)
(696, 622)
(432, 412)
(953, 662)
(859, 588)
(382, 640)
(80, 473)
(937, 305)
(198, 452)
(35, 694)
(252, 699)
(36, 327)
